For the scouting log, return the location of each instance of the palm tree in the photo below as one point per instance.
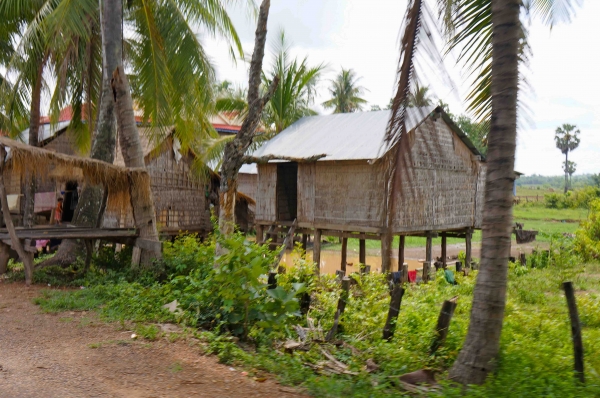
(419, 97)
(493, 43)
(295, 92)
(569, 168)
(345, 93)
(567, 140)
(172, 80)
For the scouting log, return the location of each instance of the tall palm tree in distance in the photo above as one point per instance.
(346, 94)
(419, 97)
(567, 140)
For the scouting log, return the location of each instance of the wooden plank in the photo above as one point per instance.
(350, 235)
(342, 227)
(575, 331)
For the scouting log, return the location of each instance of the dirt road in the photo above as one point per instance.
(73, 354)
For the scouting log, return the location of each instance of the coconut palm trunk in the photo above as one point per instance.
(566, 171)
(90, 207)
(141, 200)
(480, 351)
(34, 127)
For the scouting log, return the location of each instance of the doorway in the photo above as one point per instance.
(287, 191)
(70, 201)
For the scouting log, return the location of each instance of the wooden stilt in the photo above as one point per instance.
(317, 251)
(468, 237)
(443, 324)
(362, 251)
(444, 253)
(426, 271)
(401, 252)
(394, 310)
(428, 248)
(16, 243)
(260, 234)
(304, 242)
(344, 254)
(386, 252)
(404, 277)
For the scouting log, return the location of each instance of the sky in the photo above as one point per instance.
(563, 73)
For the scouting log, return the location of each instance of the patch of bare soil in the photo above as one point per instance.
(73, 354)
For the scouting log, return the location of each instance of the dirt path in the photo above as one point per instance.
(73, 354)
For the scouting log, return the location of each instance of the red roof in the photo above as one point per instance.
(66, 114)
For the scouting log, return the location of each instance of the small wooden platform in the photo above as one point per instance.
(71, 233)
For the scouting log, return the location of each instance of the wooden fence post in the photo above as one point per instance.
(344, 254)
(443, 324)
(575, 330)
(260, 230)
(404, 277)
(340, 308)
(272, 281)
(458, 266)
(317, 251)
(426, 271)
(523, 259)
(394, 310)
(304, 242)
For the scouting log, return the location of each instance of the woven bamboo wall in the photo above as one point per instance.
(266, 194)
(439, 185)
(248, 184)
(306, 192)
(349, 193)
(480, 195)
(180, 200)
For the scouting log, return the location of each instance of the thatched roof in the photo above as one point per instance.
(48, 164)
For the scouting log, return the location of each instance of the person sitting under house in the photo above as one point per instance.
(58, 211)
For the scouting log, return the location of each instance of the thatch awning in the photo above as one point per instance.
(56, 166)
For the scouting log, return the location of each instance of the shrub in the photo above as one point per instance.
(587, 237)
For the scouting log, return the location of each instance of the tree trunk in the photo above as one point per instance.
(34, 127)
(133, 155)
(482, 344)
(566, 171)
(233, 156)
(90, 207)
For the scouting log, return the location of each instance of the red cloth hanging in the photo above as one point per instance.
(412, 276)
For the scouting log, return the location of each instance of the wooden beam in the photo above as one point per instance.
(350, 235)
(444, 253)
(401, 252)
(344, 253)
(362, 251)
(317, 251)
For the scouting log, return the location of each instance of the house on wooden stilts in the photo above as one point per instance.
(429, 184)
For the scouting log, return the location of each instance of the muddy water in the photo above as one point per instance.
(331, 261)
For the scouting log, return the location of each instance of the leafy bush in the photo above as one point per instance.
(587, 237)
(581, 198)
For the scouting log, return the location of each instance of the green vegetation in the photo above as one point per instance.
(232, 301)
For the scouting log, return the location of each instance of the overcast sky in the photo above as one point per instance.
(363, 35)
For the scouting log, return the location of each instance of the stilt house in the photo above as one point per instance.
(353, 192)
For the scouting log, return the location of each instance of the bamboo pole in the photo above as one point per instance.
(16, 243)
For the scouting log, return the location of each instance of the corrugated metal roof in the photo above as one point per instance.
(46, 131)
(345, 136)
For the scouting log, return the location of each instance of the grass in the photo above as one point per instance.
(65, 300)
